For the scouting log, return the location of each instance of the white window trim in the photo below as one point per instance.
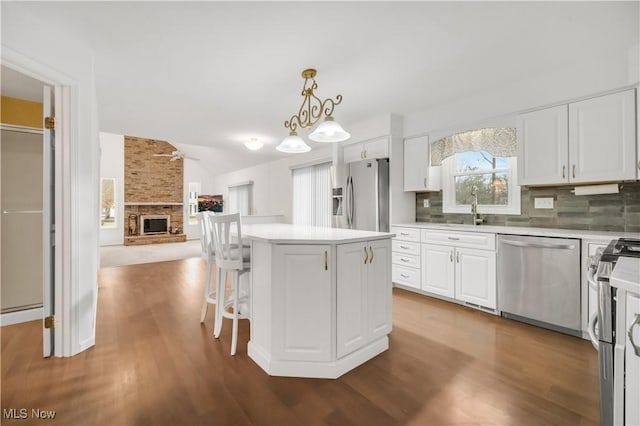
(116, 220)
(194, 220)
(448, 191)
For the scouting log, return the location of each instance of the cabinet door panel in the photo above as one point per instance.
(379, 289)
(602, 138)
(350, 298)
(352, 153)
(438, 269)
(543, 153)
(378, 148)
(416, 164)
(632, 365)
(302, 303)
(476, 277)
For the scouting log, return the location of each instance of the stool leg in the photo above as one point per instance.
(236, 296)
(221, 285)
(207, 289)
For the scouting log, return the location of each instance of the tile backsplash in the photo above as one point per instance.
(606, 212)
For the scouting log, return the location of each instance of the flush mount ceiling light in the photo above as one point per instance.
(253, 144)
(311, 111)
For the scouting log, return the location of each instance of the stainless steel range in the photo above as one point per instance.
(602, 325)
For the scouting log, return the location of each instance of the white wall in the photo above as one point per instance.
(112, 166)
(26, 44)
(272, 182)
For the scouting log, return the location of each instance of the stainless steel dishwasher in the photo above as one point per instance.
(539, 281)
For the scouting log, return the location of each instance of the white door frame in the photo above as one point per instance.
(63, 188)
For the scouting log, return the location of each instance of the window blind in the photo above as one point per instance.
(312, 195)
(240, 199)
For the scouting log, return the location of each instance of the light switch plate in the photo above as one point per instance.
(543, 203)
(425, 202)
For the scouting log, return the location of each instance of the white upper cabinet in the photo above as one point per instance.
(376, 148)
(588, 141)
(602, 138)
(542, 149)
(418, 175)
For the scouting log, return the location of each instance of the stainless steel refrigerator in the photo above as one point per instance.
(366, 203)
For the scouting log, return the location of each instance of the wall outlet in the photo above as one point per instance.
(543, 203)
(425, 202)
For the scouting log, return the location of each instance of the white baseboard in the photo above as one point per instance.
(21, 316)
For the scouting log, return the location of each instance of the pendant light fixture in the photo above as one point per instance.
(311, 111)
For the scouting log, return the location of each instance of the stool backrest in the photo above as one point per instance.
(228, 252)
(206, 243)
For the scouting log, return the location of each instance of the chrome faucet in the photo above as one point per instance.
(476, 220)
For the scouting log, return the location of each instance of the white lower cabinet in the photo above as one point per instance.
(363, 294)
(438, 270)
(406, 257)
(302, 330)
(459, 272)
(632, 362)
(476, 277)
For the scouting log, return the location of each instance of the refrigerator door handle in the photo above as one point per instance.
(350, 202)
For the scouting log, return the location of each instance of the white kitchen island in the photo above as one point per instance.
(320, 298)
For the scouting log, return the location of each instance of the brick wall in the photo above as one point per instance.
(150, 179)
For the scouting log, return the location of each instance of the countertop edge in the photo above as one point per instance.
(306, 241)
(518, 230)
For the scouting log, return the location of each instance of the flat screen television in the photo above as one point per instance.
(212, 203)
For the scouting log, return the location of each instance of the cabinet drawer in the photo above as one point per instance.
(478, 240)
(406, 234)
(406, 259)
(406, 247)
(406, 276)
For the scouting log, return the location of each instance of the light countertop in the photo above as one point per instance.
(626, 274)
(281, 233)
(522, 230)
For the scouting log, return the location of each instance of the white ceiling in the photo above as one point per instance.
(218, 73)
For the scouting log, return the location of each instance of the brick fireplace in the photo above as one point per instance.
(152, 186)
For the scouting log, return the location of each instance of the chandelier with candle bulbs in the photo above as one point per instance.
(310, 112)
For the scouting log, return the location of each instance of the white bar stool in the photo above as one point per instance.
(232, 258)
(210, 294)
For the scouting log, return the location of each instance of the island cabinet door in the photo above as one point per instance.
(302, 302)
(351, 297)
(379, 288)
(363, 294)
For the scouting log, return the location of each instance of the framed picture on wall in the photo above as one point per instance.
(212, 203)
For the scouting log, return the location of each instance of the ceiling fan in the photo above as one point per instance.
(176, 155)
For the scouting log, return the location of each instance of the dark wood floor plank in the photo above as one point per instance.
(154, 363)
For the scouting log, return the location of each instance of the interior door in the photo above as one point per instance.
(47, 221)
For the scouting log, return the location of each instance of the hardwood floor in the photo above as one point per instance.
(154, 363)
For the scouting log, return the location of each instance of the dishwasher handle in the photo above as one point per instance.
(539, 245)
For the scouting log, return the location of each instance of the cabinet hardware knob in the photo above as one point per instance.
(404, 260)
(326, 261)
(371, 252)
(574, 170)
(564, 168)
(453, 238)
(404, 233)
(366, 255)
(404, 247)
(404, 276)
(425, 182)
(451, 255)
(458, 257)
